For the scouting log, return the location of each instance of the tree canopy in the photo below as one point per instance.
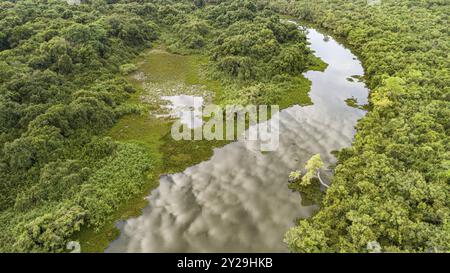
(62, 87)
(392, 185)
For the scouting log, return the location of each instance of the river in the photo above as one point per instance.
(238, 200)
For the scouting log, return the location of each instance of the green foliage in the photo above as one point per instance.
(63, 178)
(81, 195)
(260, 49)
(126, 69)
(305, 238)
(49, 232)
(307, 182)
(392, 185)
(59, 93)
(313, 165)
(256, 55)
(191, 34)
(117, 179)
(295, 175)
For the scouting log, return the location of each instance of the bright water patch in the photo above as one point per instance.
(188, 109)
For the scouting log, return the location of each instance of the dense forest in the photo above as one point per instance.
(62, 87)
(392, 186)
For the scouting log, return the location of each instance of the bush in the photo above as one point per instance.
(127, 69)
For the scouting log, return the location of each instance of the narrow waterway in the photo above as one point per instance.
(238, 200)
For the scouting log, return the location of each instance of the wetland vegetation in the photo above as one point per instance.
(81, 143)
(80, 149)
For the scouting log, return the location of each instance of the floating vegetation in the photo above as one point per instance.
(353, 102)
(357, 78)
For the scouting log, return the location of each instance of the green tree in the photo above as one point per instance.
(65, 64)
